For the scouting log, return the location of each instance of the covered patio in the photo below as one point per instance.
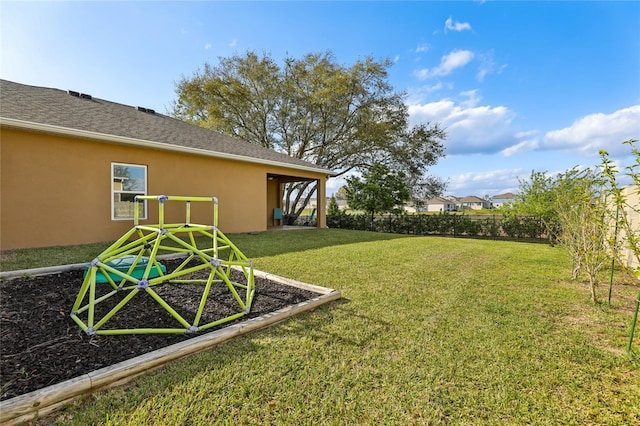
(278, 209)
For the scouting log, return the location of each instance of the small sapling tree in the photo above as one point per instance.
(380, 190)
(537, 198)
(333, 209)
(581, 206)
(626, 238)
(573, 208)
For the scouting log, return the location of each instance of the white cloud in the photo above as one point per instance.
(471, 129)
(233, 42)
(593, 132)
(493, 182)
(488, 66)
(483, 183)
(422, 92)
(526, 134)
(529, 142)
(333, 184)
(524, 146)
(422, 47)
(207, 46)
(448, 63)
(449, 24)
(473, 99)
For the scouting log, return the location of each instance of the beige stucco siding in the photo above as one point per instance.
(274, 194)
(632, 196)
(56, 190)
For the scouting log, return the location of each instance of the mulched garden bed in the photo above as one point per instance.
(40, 345)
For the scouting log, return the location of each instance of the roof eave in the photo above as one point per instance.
(67, 131)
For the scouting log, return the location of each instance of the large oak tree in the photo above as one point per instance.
(343, 118)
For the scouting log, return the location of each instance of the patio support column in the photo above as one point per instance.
(321, 197)
(279, 204)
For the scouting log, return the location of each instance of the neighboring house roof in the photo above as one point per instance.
(471, 199)
(74, 114)
(505, 196)
(439, 200)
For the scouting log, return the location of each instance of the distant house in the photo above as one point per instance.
(472, 202)
(342, 203)
(72, 165)
(313, 203)
(500, 200)
(440, 204)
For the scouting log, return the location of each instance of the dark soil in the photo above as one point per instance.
(40, 345)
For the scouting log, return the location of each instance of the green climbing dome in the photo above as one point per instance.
(130, 268)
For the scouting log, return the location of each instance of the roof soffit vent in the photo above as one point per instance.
(79, 95)
(147, 110)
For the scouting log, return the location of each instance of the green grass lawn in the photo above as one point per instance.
(430, 331)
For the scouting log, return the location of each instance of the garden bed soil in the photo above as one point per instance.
(40, 345)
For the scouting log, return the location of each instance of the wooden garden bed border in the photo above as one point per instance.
(46, 400)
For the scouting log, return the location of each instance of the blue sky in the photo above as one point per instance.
(519, 86)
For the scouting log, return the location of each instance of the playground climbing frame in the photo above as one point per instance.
(142, 244)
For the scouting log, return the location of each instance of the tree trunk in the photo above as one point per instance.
(593, 284)
(576, 269)
(293, 194)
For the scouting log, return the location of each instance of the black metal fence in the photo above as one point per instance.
(523, 228)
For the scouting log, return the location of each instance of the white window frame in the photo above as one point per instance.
(114, 192)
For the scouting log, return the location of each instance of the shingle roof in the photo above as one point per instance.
(506, 196)
(54, 107)
(471, 199)
(439, 200)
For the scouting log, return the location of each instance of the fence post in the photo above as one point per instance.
(455, 220)
(494, 228)
(633, 326)
(540, 228)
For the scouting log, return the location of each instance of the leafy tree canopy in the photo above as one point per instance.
(341, 193)
(545, 196)
(339, 117)
(380, 190)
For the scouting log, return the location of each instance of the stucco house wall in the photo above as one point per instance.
(497, 201)
(56, 184)
(632, 196)
(471, 203)
(440, 204)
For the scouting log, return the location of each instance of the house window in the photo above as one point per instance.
(127, 181)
